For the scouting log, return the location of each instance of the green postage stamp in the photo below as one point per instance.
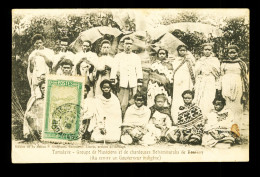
(62, 108)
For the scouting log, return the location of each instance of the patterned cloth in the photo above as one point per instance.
(160, 81)
(189, 129)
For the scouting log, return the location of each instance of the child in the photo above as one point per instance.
(135, 121)
(160, 120)
(190, 124)
(219, 129)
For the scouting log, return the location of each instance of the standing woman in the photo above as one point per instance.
(207, 73)
(234, 82)
(183, 79)
(86, 68)
(160, 78)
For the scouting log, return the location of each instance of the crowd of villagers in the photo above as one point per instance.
(187, 101)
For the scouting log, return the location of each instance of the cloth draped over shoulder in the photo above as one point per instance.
(106, 114)
(135, 116)
(219, 124)
(160, 81)
(244, 74)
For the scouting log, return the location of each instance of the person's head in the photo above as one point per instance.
(182, 50)
(41, 85)
(159, 100)
(86, 90)
(128, 43)
(207, 49)
(105, 47)
(233, 51)
(106, 86)
(66, 66)
(187, 96)
(86, 46)
(162, 54)
(139, 99)
(219, 103)
(64, 44)
(38, 41)
(83, 66)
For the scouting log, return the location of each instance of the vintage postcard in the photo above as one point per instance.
(130, 85)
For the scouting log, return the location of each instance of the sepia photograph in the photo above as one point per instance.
(130, 85)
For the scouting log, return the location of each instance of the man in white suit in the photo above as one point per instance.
(128, 66)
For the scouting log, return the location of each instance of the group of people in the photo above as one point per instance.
(187, 101)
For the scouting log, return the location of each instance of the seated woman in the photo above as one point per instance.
(190, 124)
(34, 116)
(107, 120)
(160, 120)
(219, 129)
(135, 122)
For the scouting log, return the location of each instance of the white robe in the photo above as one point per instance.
(181, 82)
(110, 109)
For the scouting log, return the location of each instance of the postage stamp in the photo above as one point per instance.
(62, 103)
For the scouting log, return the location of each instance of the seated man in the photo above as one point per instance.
(106, 121)
(134, 125)
(219, 129)
(64, 51)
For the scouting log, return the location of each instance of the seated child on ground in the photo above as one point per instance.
(160, 120)
(219, 129)
(190, 124)
(135, 121)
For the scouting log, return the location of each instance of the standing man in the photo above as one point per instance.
(39, 63)
(103, 65)
(64, 45)
(86, 52)
(128, 66)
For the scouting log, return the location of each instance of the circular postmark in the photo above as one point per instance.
(66, 120)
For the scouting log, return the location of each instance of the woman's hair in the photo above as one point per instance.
(220, 98)
(105, 42)
(37, 37)
(180, 46)
(41, 83)
(233, 47)
(188, 92)
(166, 52)
(139, 95)
(88, 41)
(160, 96)
(127, 38)
(87, 88)
(105, 82)
(84, 59)
(207, 44)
